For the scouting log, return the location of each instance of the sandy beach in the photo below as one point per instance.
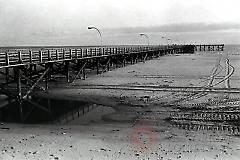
(135, 124)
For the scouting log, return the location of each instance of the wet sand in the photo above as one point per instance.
(130, 124)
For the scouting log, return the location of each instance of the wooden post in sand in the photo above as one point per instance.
(227, 85)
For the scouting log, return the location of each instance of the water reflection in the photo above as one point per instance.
(44, 110)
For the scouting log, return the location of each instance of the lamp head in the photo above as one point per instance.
(90, 27)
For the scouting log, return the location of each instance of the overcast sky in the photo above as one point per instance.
(65, 22)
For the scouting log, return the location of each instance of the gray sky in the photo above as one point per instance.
(65, 22)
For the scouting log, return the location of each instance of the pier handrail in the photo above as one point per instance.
(32, 56)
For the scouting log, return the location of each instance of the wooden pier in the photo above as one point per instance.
(209, 47)
(24, 70)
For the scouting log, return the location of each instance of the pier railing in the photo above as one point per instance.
(209, 47)
(24, 57)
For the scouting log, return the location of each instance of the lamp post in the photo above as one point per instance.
(178, 41)
(165, 39)
(145, 35)
(98, 32)
(169, 40)
(162, 37)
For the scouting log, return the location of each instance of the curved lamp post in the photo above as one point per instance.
(142, 34)
(169, 40)
(165, 39)
(179, 42)
(98, 32)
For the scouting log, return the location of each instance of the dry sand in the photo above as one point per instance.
(129, 124)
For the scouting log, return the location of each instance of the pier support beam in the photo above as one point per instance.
(98, 66)
(67, 71)
(19, 93)
(7, 74)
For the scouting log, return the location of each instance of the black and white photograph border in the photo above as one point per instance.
(119, 80)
